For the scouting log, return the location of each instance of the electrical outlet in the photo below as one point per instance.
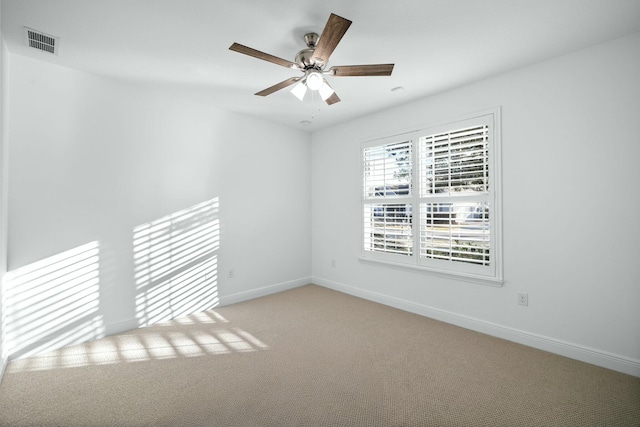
(523, 299)
(333, 263)
(230, 274)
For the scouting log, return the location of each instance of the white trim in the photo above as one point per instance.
(496, 232)
(263, 291)
(590, 355)
(3, 366)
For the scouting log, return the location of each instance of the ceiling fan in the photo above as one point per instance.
(313, 60)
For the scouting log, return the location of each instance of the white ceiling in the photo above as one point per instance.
(182, 46)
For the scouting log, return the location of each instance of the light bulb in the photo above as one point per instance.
(314, 80)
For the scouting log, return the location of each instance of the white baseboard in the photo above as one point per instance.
(596, 357)
(263, 291)
(120, 326)
(3, 365)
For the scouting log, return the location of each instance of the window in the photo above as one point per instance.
(431, 199)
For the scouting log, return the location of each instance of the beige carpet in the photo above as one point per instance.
(311, 357)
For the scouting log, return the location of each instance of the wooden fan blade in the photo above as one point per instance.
(236, 47)
(332, 99)
(362, 70)
(277, 87)
(331, 35)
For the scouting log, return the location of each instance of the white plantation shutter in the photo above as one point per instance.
(455, 162)
(455, 232)
(454, 202)
(388, 208)
(387, 170)
(445, 177)
(387, 228)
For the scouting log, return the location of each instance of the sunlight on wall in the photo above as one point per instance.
(201, 334)
(53, 302)
(176, 265)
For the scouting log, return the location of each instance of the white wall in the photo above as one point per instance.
(92, 160)
(570, 153)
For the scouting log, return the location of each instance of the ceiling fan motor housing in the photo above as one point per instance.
(304, 58)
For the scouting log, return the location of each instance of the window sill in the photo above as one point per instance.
(488, 281)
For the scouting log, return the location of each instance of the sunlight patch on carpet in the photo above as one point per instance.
(187, 337)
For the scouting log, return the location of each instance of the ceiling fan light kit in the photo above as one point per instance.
(313, 60)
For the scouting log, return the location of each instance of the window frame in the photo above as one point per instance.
(489, 275)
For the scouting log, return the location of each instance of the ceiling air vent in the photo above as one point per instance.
(41, 41)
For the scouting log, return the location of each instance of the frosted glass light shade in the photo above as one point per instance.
(299, 90)
(325, 90)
